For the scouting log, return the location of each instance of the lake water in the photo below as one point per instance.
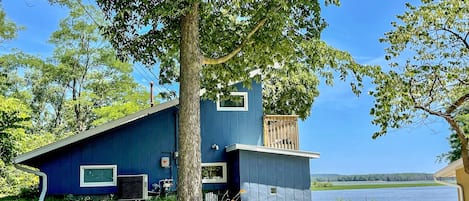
(432, 193)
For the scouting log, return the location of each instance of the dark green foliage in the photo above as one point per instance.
(29, 192)
(372, 177)
(455, 149)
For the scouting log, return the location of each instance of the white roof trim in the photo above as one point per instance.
(94, 131)
(450, 170)
(270, 150)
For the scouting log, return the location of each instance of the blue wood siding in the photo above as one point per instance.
(225, 128)
(135, 148)
(230, 127)
(259, 172)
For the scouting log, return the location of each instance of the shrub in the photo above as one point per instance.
(322, 184)
(29, 192)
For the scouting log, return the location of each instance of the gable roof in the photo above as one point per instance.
(95, 131)
(450, 170)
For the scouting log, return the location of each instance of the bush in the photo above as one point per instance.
(167, 198)
(29, 192)
(322, 184)
(13, 180)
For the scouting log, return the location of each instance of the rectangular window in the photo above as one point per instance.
(98, 175)
(236, 101)
(213, 172)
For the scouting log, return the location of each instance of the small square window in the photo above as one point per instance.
(213, 172)
(236, 101)
(98, 175)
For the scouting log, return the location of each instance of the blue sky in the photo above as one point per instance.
(339, 127)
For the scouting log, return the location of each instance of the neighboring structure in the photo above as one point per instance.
(242, 150)
(455, 169)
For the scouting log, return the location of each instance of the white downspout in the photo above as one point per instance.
(38, 173)
(460, 189)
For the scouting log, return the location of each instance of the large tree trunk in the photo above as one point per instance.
(189, 172)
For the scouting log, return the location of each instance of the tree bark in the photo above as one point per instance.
(464, 142)
(189, 171)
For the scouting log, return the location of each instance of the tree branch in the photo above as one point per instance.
(457, 103)
(464, 142)
(432, 112)
(464, 41)
(424, 108)
(227, 57)
(463, 82)
(430, 94)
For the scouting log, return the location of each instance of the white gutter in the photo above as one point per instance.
(38, 173)
(460, 189)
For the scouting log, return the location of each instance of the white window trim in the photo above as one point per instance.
(245, 108)
(224, 174)
(98, 184)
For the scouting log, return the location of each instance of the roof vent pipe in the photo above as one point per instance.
(151, 95)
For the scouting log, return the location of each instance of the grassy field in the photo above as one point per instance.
(372, 186)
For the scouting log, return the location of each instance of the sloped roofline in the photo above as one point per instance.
(108, 126)
(450, 170)
(95, 131)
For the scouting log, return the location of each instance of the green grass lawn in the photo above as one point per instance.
(372, 186)
(15, 198)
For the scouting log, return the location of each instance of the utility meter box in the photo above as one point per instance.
(165, 162)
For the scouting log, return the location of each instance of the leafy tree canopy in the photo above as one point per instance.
(429, 74)
(81, 85)
(14, 118)
(14, 114)
(236, 37)
(84, 83)
(210, 44)
(8, 29)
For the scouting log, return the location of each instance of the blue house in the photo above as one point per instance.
(242, 150)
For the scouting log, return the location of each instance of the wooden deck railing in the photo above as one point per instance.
(281, 131)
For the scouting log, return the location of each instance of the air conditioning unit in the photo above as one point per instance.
(132, 187)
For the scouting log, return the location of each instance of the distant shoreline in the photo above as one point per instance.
(373, 186)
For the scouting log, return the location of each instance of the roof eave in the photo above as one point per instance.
(270, 150)
(450, 170)
(94, 131)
